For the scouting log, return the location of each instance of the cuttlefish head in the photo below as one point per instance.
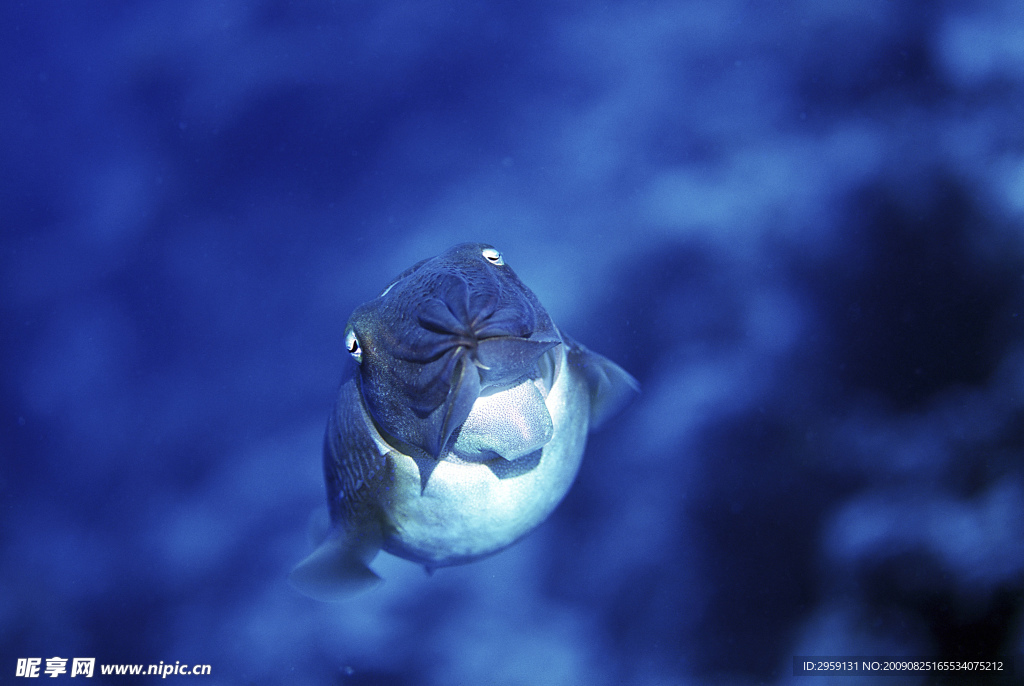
(443, 334)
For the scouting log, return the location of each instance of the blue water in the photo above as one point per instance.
(799, 224)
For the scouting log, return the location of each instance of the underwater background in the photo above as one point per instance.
(799, 224)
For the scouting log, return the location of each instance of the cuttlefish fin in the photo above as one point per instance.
(318, 528)
(338, 568)
(611, 387)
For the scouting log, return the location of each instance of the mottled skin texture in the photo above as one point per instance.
(461, 425)
(440, 334)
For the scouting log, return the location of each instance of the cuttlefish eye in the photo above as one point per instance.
(492, 256)
(352, 345)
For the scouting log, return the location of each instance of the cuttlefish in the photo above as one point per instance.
(460, 425)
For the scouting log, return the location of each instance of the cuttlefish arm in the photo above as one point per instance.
(435, 340)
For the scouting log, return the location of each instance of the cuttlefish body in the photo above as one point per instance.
(461, 426)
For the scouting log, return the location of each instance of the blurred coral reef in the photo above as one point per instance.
(799, 224)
